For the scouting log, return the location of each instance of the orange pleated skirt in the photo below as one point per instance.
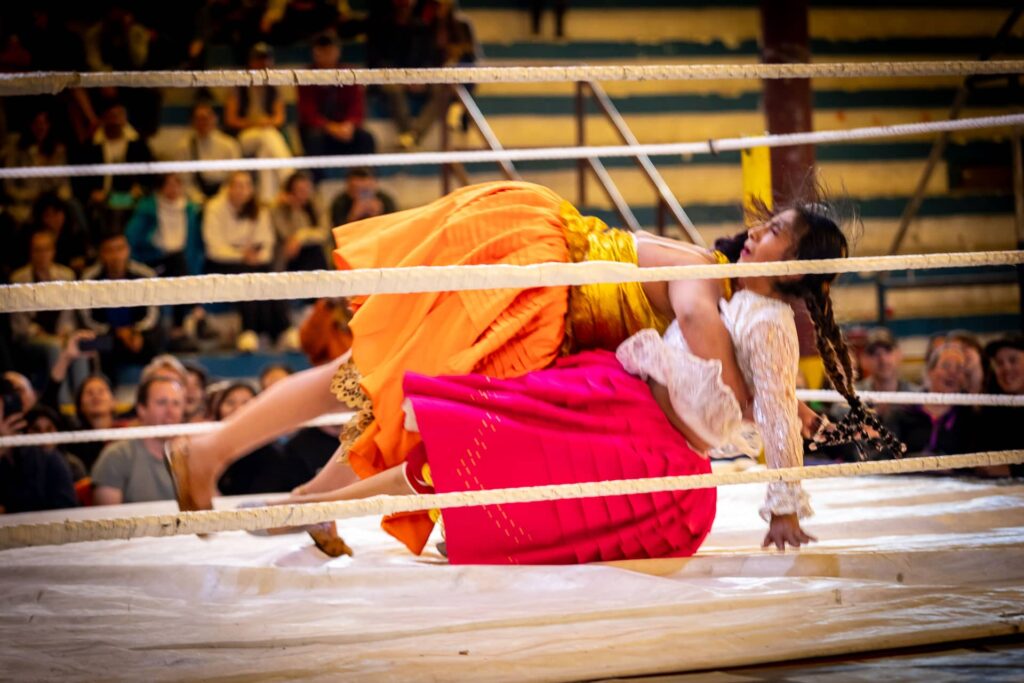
(500, 333)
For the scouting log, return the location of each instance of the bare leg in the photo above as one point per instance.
(277, 411)
(334, 475)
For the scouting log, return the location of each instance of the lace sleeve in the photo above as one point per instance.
(774, 358)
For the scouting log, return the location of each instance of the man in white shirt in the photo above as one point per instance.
(204, 141)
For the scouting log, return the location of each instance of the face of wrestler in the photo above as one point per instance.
(97, 399)
(1008, 366)
(946, 371)
(165, 404)
(239, 189)
(773, 240)
(235, 399)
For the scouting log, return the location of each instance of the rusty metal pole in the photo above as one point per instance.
(446, 170)
(788, 104)
(581, 140)
(1018, 205)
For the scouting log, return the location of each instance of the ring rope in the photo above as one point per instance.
(84, 294)
(340, 418)
(53, 82)
(74, 531)
(147, 432)
(527, 154)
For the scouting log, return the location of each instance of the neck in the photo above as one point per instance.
(101, 421)
(155, 447)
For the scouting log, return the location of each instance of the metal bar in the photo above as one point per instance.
(646, 165)
(480, 122)
(446, 180)
(625, 213)
(581, 140)
(1018, 205)
(939, 146)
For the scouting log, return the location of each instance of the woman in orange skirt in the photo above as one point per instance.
(496, 332)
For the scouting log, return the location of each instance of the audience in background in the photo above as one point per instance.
(240, 239)
(331, 117)
(256, 114)
(273, 373)
(261, 471)
(196, 379)
(37, 145)
(302, 231)
(999, 427)
(45, 420)
(165, 231)
(37, 334)
(133, 471)
(204, 142)
(31, 478)
(64, 219)
(127, 335)
(361, 198)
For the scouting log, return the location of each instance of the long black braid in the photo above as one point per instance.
(820, 237)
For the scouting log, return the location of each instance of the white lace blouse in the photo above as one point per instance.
(764, 336)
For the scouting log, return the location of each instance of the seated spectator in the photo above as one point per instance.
(37, 145)
(884, 360)
(361, 198)
(457, 40)
(324, 334)
(274, 373)
(31, 478)
(65, 220)
(999, 427)
(205, 142)
(331, 117)
(196, 379)
(261, 471)
(37, 334)
(936, 429)
(133, 471)
(401, 36)
(130, 335)
(240, 239)
(165, 230)
(166, 366)
(45, 420)
(302, 232)
(289, 21)
(114, 142)
(256, 115)
(974, 368)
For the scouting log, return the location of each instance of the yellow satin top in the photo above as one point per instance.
(602, 316)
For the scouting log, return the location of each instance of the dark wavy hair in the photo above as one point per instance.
(818, 236)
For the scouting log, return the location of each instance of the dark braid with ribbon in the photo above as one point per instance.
(819, 237)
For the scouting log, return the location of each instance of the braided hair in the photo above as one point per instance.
(819, 237)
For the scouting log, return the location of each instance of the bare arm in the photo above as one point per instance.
(107, 495)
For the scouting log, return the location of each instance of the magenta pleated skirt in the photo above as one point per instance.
(585, 419)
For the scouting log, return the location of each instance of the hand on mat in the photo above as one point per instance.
(785, 529)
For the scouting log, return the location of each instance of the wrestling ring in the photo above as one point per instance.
(902, 561)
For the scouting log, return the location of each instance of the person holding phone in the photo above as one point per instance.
(361, 199)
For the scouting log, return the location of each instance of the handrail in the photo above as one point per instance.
(479, 121)
(667, 200)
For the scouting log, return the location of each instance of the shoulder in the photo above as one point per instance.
(140, 270)
(22, 275)
(93, 272)
(116, 455)
(62, 272)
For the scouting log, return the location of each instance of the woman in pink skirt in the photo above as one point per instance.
(651, 409)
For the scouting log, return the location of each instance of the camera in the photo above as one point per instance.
(10, 397)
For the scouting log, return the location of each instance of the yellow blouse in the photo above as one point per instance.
(602, 316)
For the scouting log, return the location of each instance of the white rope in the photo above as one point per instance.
(74, 531)
(85, 294)
(332, 419)
(527, 154)
(40, 82)
(149, 432)
(917, 398)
